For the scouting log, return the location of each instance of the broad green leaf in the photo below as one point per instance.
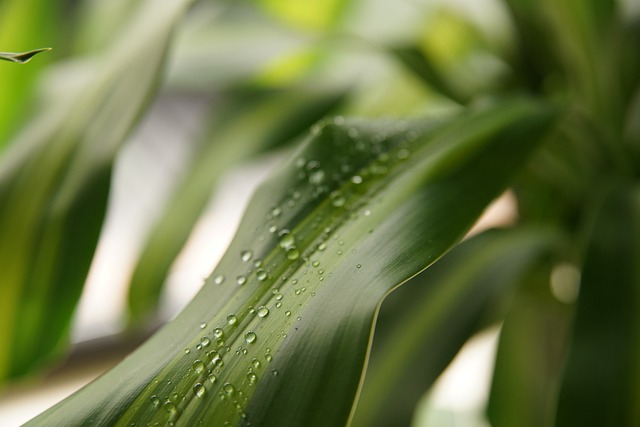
(424, 323)
(54, 182)
(279, 334)
(24, 25)
(601, 384)
(245, 127)
(531, 352)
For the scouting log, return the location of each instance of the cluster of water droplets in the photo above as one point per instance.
(290, 274)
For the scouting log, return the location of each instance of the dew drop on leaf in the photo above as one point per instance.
(261, 275)
(229, 389)
(250, 337)
(241, 280)
(203, 325)
(232, 319)
(218, 333)
(263, 311)
(218, 279)
(198, 366)
(200, 390)
(246, 255)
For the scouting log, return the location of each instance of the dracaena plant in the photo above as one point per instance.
(304, 321)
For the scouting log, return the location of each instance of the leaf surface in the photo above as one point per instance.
(54, 182)
(280, 332)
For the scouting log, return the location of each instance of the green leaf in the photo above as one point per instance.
(246, 127)
(22, 57)
(424, 323)
(54, 182)
(601, 384)
(530, 356)
(279, 334)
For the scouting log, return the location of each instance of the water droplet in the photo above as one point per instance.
(358, 265)
(256, 363)
(287, 313)
(232, 319)
(170, 407)
(199, 390)
(252, 377)
(212, 379)
(275, 372)
(155, 401)
(356, 179)
(315, 263)
(218, 333)
(198, 366)
(278, 304)
(293, 254)
(263, 311)
(367, 212)
(257, 263)
(337, 199)
(275, 212)
(241, 280)
(205, 341)
(218, 279)
(261, 275)
(317, 177)
(279, 296)
(203, 325)
(229, 389)
(268, 357)
(246, 255)
(250, 337)
(322, 246)
(403, 154)
(273, 229)
(287, 241)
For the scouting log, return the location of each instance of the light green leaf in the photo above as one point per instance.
(246, 127)
(601, 384)
(54, 182)
(424, 323)
(279, 334)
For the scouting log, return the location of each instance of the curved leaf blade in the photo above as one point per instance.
(601, 383)
(279, 334)
(54, 183)
(433, 315)
(247, 127)
(22, 57)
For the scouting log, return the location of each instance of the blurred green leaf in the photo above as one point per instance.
(531, 352)
(601, 384)
(247, 126)
(280, 332)
(54, 182)
(424, 323)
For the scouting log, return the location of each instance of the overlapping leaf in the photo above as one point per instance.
(280, 332)
(54, 182)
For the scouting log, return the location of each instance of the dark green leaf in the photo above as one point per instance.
(279, 334)
(247, 127)
(601, 384)
(424, 323)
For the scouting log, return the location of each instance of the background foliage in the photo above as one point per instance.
(455, 106)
